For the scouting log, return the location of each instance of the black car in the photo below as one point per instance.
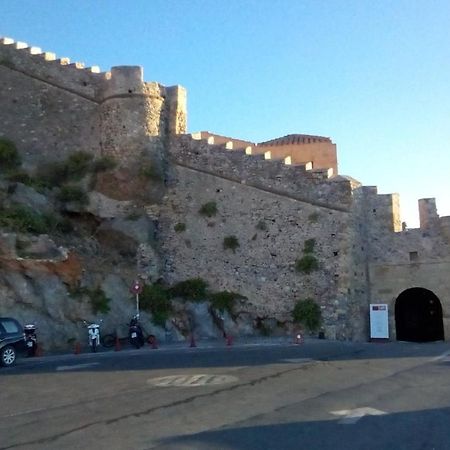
(11, 340)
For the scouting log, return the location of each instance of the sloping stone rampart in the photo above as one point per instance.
(255, 171)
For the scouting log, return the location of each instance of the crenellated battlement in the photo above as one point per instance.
(277, 175)
(46, 67)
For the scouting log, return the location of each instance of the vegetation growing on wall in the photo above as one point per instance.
(309, 246)
(73, 194)
(307, 313)
(155, 298)
(98, 299)
(191, 289)
(224, 300)
(230, 242)
(75, 168)
(308, 262)
(9, 156)
(208, 209)
(180, 227)
(23, 219)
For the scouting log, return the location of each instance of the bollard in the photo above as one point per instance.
(117, 346)
(229, 340)
(298, 339)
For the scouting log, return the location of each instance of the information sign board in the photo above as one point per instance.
(379, 321)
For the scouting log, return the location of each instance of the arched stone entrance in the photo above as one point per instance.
(418, 316)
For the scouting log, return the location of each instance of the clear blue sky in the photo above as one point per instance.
(372, 75)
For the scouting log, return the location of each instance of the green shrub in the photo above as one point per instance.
(9, 156)
(75, 194)
(208, 209)
(309, 246)
(20, 176)
(99, 301)
(78, 165)
(103, 164)
(313, 217)
(23, 219)
(307, 313)
(191, 289)
(230, 242)
(155, 299)
(224, 300)
(180, 227)
(307, 264)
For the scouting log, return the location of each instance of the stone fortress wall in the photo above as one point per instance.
(290, 184)
(52, 107)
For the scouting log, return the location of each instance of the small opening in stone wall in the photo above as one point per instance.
(130, 91)
(84, 83)
(374, 210)
(413, 256)
(333, 234)
(335, 253)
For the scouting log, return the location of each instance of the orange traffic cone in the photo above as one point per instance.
(117, 346)
(77, 349)
(39, 350)
(193, 344)
(229, 340)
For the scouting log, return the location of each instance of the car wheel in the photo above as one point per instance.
(7, 356)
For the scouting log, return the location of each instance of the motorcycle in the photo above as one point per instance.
(135, 334)
(30, 339)
(93, 335)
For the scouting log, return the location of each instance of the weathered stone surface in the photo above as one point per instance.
(27, 196)
(105, 207)
(40, 247)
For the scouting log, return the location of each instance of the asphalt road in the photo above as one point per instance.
(319, 395)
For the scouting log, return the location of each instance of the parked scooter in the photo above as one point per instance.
(94, 335)
(30, 339)
(135, 334)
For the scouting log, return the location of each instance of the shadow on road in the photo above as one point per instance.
(424, 430)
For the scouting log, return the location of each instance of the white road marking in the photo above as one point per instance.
(76, 366)
(352, 416)
(192, 380)
(442, 357)
(297, 360)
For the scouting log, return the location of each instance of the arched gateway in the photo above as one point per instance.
(418, 316)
